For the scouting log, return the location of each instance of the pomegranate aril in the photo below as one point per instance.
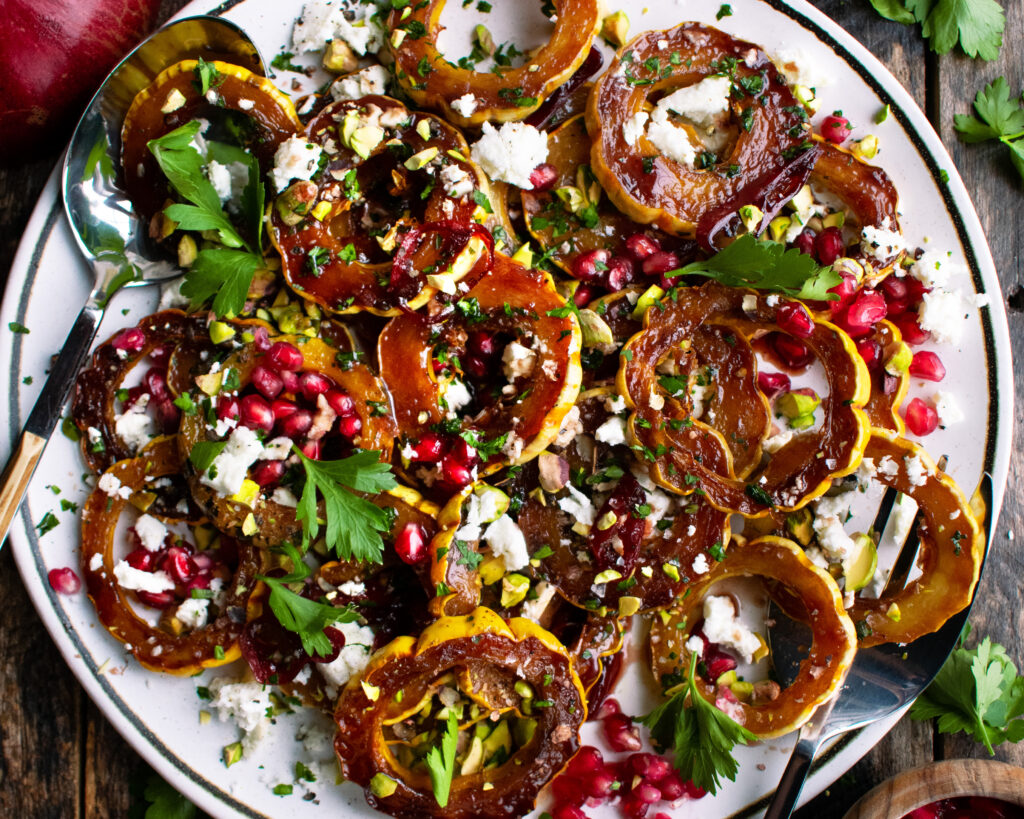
(587, 762)
(896, 307)
(805, 242)
(475, 366)
(160, 356)
(340, 402)
(168, 416)
(584, 294)
(846, 289)
(660, 262)
(568, 812)
(131, 340)
(650, 766)
(156, 384)
(282, 408)
(255, 413)
(591, 266)
(829, 245)
(544, 176)
(717, 661)
(178, 565)
(227, 408)
(621, 273)
(867, 309)
(261, 339)
(141, 559)
(608, 707)
(921, 419)
(267, 473)
(349, 426)
(835, 128)
(482, 343)
(430, 447)
(311, 449)
(600, 785)
(773, 384)
(290, 381)
(158, 600)
(411, 544)
(314, 384)
(633, 808)
(646, 793)
(296, 424)
(910, 328)
(694, 791)
(203, 561)
(871, 351)
(660, 815)
(267, 382)
(927, 365)
(454, 473)
(792, 352)
(640, 246)
(621, 733)
(895, 287)
(64, 580)
(890, 383)
(464, 453)
(793, 318)
(284, 356)
(671, 787)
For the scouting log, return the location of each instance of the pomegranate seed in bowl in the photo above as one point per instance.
(411, 544)
(544, 176)
(591, 266)
(640, 246)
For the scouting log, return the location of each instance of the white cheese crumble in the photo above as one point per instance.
(322, 21)
(151, 533)
(138, 580)
(506, 541)
(227, 472)
(903, 518)
(942, 314)
(722, 626)
(353, 657)
(917, 473)
(294, 159)
(777, 442)
(352, 588)
(228, 180)
(800, 68)
(829, 516)
(95, 562)
(612, 431)
(700, 564)
(456, 396)
(695, 645)
(633, 127)
(517, 360)
(534, 609)
(479, 508)
(510, 153)
(192, 614)
(285, 497)
(948, 409)
(246, 703)
(372, 80)
(701, 103)
(881, 243)
(577, 505)
(887, 467)
(934, 268)
(457, 182)
(672, 141)
(135, 426)
(465, 105)
(111, 485)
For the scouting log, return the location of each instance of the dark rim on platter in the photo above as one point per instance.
(56, 213)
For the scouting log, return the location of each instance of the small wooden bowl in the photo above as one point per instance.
(941, 780)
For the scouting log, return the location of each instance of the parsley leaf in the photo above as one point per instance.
(978, 692)
(765, 265)
(224, 274)
(893, 10)
(977, 25)
(485, 449)
(165, 801)
(1001, 117)
(701, 735)
(306, 617)
(441, 761)
(354, 524)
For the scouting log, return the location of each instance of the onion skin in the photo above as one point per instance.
(53, 58)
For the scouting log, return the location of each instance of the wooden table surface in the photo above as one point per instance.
(59, 757)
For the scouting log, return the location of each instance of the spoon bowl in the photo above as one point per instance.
(111, 236)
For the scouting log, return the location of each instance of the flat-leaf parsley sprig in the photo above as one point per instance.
(1000, 116)
(353, 524)
(701, 735)
(765, 265)
(977, 25)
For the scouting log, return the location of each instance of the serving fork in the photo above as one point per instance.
(882, 680)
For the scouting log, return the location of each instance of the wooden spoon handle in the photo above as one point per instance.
(17, 475)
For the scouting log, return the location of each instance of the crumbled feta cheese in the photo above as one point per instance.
(506, 541)
(353, 657)
(612, 431)
(465, 105)
(246, 703)
(700, 564)
(514, 446)
(942, 313)
(695, 645)
(701, 394)
(322, 21)
(246, 104)
(135, 426)
(284, 496)
(578, 506)
(817, 557)
(294, 159)
(887, 467)
(722, 626)
(903, 518)
(228, 470)
(151, 533)
(228, 180)
(192, 613)
(917, 473)
(111, 485)
(777, 442)
(517, 360)
(615, 404)
(700, 104)
(948, 409)
(456, 396)
(865, 473)
(534, 609)
(829, 516)
(457, 182)
(570, 427)
(372, 80)
(934, 268)
(138, 580)
(277, 449)
(352, 588)
(800, 68)
(511, 153)
(881, 243)
(672, 141)
(633, 127)
(479, 508)
(95, 562)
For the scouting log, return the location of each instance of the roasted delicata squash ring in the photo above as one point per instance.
(769, 161)
(831, 651)
(174, 99)
(689, 454)
(157, 649)
(503, 95)
(491, 665)
(253, 513)
(93, 407)
(951, 551)
(509, 301)
(888, 388)
(347, 239)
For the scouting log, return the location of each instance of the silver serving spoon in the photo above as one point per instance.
(109, 233)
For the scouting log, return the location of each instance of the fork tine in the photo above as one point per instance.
(884, 511)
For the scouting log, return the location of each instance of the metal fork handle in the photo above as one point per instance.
(45, 414)
(793, 778)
